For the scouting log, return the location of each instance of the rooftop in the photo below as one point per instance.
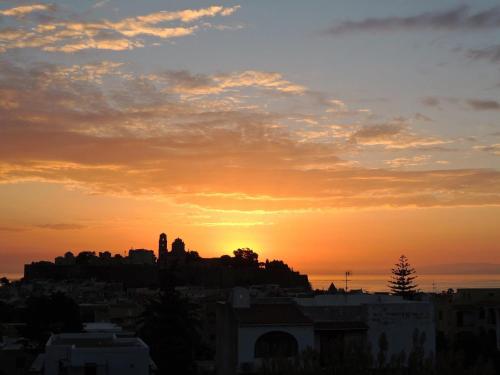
(93, 340)
(102, 327)
(271, 314)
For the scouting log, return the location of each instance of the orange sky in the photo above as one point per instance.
(121, 121)
(56, 219)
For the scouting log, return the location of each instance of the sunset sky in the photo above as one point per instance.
(331, 134)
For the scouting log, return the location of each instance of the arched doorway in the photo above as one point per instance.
(276, 344)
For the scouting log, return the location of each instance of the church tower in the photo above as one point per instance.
(162, 248)
(178, 247)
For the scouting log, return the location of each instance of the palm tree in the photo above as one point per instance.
(402, 283)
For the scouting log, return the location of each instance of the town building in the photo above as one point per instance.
(251, 330)
(94, 354)
(16, 355)
(468, 313)
(141, 256)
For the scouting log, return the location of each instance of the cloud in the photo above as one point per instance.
(11, 229)
(100, 4)
(431, 101)
(26, 9)
(483, 105)
(234, 224)
(491, 54)
(395, 135)
(422, 117)
(94, 72)
(66, 35)
(494, 149)
(457, 18)
(60, 226)
(137, 137)
(183, 82)
(475, 104)
(408, 162)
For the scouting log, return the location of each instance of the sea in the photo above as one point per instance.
(378, 282)
(426, 282)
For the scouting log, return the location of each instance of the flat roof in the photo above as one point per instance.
(271, 314)
(88, 340)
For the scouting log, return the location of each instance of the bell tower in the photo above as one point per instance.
(162, 248)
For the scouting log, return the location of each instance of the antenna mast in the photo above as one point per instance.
(347, 274)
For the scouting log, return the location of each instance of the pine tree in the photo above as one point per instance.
(402, 283)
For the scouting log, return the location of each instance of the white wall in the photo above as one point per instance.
(132, 359)
(117, 361)
(399, 322)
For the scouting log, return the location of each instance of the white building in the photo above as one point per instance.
(249, 331)
(94, 354)
(396, 318)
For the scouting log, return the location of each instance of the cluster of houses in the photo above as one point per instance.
(243, 326)
(246, 326)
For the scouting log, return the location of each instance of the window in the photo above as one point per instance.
(275, 345)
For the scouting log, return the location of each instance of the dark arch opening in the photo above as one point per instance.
(276, 344)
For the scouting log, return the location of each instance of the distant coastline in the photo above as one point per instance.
(377, 282)
(427, 282)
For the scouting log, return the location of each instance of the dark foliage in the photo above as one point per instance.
(4, 281)
(85, 257)
(51, 314)
(276, 265)
(403, 279)
(170, 326)
(245, 258)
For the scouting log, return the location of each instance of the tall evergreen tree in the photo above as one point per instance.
(403, 278)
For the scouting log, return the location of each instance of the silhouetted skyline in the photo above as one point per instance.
(333, 134)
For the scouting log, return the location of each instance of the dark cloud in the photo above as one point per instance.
(493, 149)
(376, 131)
(457, 18)
(491, 54)
(421, 117)
(395, 135)
(484, 105)
(431, 101)
(198, 84)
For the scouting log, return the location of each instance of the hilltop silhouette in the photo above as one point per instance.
(142, 268)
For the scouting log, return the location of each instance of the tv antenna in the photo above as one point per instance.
(347, 274)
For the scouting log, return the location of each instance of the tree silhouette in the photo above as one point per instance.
(402, 283)
(85, 257)
(246, 258)
(51, 314)
(4, 281)
(170, 326)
